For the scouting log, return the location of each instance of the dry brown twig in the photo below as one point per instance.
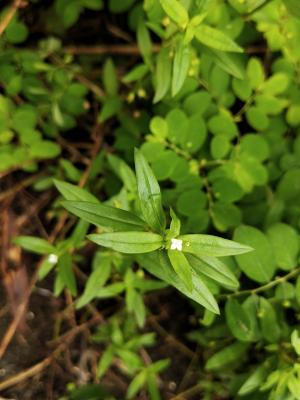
(11, 13)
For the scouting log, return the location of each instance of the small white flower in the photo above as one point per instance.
(52, 258)
(176, 244)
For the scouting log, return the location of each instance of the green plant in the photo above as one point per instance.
(208, 91)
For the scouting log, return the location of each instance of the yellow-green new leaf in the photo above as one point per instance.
(216, 39)
(211, 246)
(176, 12)
(129, 242)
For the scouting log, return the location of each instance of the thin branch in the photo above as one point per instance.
(265, 287)
(10, 14)
(128, 50)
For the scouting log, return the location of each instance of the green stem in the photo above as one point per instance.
(265, 287)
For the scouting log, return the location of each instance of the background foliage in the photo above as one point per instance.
(208, 90)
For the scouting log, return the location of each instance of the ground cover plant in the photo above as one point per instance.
(149, 190)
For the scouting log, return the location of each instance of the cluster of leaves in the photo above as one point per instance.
(214, 107)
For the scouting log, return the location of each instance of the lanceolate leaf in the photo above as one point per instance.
(229, 62)
(149, 194)
(34, 244)
(226, 356)
(254, 380)
(105, 216)
(129, 242)
(214, 269)
(216, 39)
(181, 267)
(66, 274)
(74, 193)
(162, 75)
(124, 172)
(212, 246)
(159, 265)
(176, 12)
(180, 67)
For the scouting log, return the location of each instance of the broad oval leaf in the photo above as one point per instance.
(268, 321)
(105, 216)
(214, 269)
(181, 267)
(285, 243)
(129, 242)
(34, 244)
(175, 11)
(74, 193)
(159, 265)
(149, 194)
(212, 246)
(180, 67)
(238, 321)
(216, 39)
(258, 265)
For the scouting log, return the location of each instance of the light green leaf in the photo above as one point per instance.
(258, 265)
(254, 380)
(214, 269)
(238, 321)
(175, 225)
(212, 246)
(129, 242)
(293, 7)
(34, 244)
(149, 194)
(105, 361)
(95, 281)
(285, 243)
(74, 193)
(162, 75)
(144, 42)
(295, 340)
(176, 12)
(111, 290)
(181, 267)
(216, 39)
(105, 216)
(136, 384)
(180, 67)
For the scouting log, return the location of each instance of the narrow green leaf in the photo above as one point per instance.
(129, 242)
(180, 67)
(216, 39)
(159, 265)
(136, 384)
(74, 193)
(110, 79)
(123, 171)
(105, 216)
(229, 62)
(162, 75)
(214, 269)
(34, 244)
(105, 361)
(149, 194)
(144, 42)
(176, 12)
(111, 290)
(212, 246)
(175, 225)
(254, 380)
(181, 267)
(66, 274)
(226, 356)
(238, 321)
